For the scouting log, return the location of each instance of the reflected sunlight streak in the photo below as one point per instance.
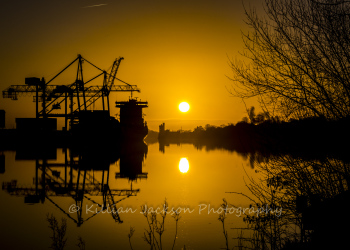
(184, 166)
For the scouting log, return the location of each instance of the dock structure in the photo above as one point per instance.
(77, 96)
(73, 102)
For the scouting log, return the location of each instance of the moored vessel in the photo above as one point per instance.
(131, 122)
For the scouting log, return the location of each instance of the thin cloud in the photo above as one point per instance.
(96, 5)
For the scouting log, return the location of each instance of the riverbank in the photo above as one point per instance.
(308, 137)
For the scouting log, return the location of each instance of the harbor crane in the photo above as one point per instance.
(77, 96)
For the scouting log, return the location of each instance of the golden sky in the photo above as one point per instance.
(174, 51)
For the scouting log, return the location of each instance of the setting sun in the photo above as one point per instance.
(184, 107)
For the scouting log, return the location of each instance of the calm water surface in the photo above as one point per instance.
(196, 180)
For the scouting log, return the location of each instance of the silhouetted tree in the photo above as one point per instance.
(245, 119)
(257, 118)
(251, 114)
(298, 58)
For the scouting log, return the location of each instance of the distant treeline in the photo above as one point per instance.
(304, 137)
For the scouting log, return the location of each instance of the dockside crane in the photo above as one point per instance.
(52, 96)
(108, 86)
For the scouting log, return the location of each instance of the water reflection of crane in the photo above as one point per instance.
(76, 178)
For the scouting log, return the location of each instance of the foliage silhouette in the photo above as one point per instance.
(156, 228)
(311, 193)
(58, 232)
(296, 58)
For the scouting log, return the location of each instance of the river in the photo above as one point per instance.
(193, 181)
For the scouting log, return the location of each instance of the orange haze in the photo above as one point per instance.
(174, 51)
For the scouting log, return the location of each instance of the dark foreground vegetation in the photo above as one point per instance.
(296, 62)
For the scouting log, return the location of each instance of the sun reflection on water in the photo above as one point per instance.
(184, 166)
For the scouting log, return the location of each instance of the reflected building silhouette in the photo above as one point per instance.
(84, 176)
(131, 159)
(162, 147)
